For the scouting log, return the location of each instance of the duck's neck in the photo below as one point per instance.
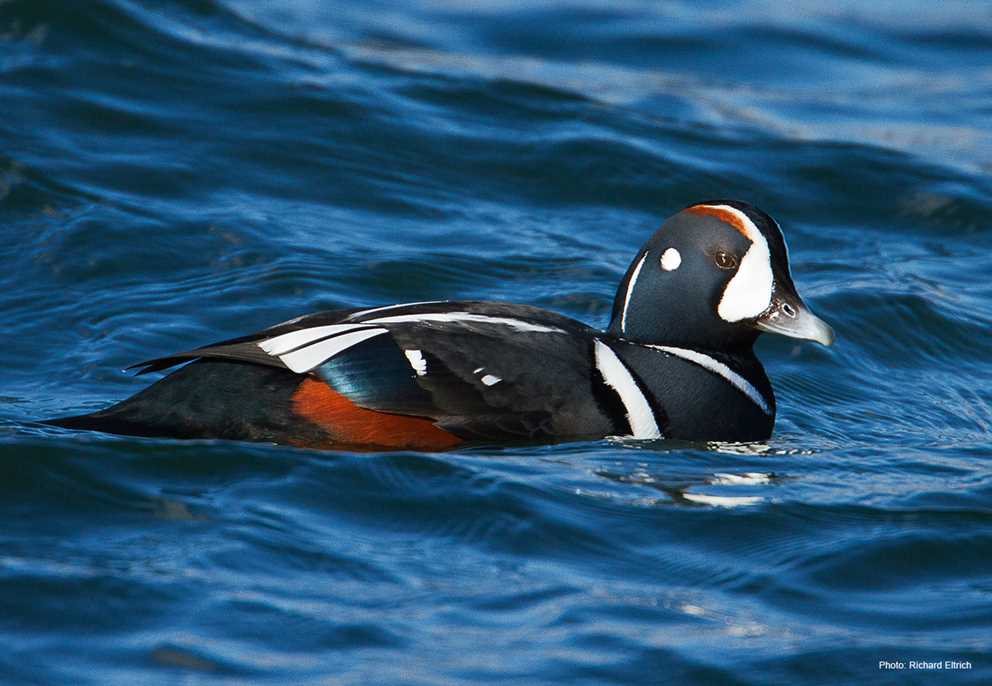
(679, 326)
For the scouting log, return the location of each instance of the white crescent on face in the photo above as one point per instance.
(749, 293)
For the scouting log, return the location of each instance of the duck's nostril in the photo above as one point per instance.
(789, 310)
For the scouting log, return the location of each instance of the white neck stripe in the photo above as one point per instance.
(720, 369)
(618, 377)
(630, 290)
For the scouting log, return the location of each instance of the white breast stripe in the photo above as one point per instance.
(305, 359)
(417, 361)
(618, 377)
(294, 339)
(630, 290)
(720, 369)
(518, 324)
(749, 293)
(361, 313)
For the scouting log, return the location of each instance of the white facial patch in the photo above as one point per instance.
(749, 293)
(671, 259)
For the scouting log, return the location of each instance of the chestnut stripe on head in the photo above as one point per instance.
(728, 215)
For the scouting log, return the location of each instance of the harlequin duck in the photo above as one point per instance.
(675, 362)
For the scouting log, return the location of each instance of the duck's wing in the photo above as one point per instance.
(476, 369)
(244, 348)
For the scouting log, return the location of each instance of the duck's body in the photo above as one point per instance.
(434, 375)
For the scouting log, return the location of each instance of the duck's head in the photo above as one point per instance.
(714, 276)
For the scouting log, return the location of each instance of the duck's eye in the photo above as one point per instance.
(724, 260)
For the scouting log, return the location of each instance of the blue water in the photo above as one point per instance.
(172, 174)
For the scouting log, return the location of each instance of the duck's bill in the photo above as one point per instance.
(794, 320)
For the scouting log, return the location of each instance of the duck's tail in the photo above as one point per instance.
(117, 419)
(205, 399)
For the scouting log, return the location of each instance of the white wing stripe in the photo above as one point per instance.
(518, 324)
(305, 349)
(417, 361)
(305, 359)
(618, 377)
(355, 315)
(294, 339)
(719, 368)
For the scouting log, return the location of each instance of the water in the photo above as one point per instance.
(172, 174)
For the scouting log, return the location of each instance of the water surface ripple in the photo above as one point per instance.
(174, 173)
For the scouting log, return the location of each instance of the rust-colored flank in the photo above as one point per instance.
(723, 215)
(352, 425)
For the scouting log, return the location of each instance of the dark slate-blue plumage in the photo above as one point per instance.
(676, 361)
